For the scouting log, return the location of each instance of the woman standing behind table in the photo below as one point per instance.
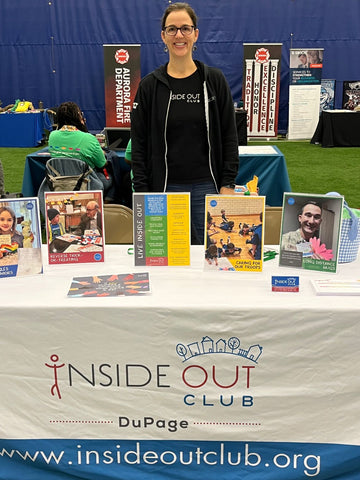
(183, 129)
(72, 140)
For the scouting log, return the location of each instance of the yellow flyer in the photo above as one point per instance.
(162, 229)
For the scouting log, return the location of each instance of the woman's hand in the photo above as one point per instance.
(226, 191)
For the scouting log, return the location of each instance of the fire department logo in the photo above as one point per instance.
(262, 55)
(122, 56)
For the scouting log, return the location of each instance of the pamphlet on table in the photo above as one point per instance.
(74, 225)
(161, 229)
(20, 237)
(123, 284)
(234, 232)
(336, 287)
(310, 231)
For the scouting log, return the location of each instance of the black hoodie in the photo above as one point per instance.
(148, 129)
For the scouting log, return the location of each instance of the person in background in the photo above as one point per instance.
(56, 228)
(183, 128)
(72, 140)
(91, 220)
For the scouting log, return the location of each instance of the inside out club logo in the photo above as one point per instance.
(122, 56)
(211, 379)
(206, 382)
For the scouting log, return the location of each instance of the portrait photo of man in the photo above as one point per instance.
(310, 231)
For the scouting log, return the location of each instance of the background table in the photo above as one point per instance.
(23, 129)
(171, 356)
(269, 165)
(34, 170)
(338, 128)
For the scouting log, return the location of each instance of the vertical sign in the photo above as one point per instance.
(304, 92)
(261, 86)
(162, 229)
(122, 77)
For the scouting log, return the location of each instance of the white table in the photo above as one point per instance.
(154, 374)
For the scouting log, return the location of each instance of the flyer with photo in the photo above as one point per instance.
(161, 229)
(74, 226)
(310, 231)
(234, 237)
(116, 285)
(20, 237)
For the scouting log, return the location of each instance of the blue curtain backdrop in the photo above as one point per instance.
(51, 50)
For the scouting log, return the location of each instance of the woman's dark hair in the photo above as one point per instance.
(69, 113)
(173, 7)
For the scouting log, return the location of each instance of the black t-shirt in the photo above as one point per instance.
(188, 151)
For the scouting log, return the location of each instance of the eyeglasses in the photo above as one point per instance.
(186, 30)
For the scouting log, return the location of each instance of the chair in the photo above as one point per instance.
(272, 225)
(2, 181)
(67, 167)
(118, 223)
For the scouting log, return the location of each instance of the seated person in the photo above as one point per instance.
(56, 228)
(73, 140)
(245, 230)
(229, 249)
(91, 220)
(228, 226)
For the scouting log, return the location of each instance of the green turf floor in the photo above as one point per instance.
(311, 168)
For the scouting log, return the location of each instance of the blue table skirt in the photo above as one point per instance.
(23, 129)
(271, 170)
(34, 170)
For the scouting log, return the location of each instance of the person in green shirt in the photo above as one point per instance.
(72, 140)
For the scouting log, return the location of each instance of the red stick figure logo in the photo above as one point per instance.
(55, 388)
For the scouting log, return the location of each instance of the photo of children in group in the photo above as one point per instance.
(310, 231)
(234, 232)
(20, 237)
(74, 225)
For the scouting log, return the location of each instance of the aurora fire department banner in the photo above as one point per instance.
(304, 92)
(261, 87)
(122, 76)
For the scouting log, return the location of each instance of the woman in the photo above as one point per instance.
(72, 140)
(183, 129)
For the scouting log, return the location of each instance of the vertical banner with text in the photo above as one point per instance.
(304, 92)
(122, 76)
(261, 87)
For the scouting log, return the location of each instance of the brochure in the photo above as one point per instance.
(110, 285)
(336, 287)
(20, 237)
(74, 226)
(234, 232)
(161, 229)
(310, 231)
